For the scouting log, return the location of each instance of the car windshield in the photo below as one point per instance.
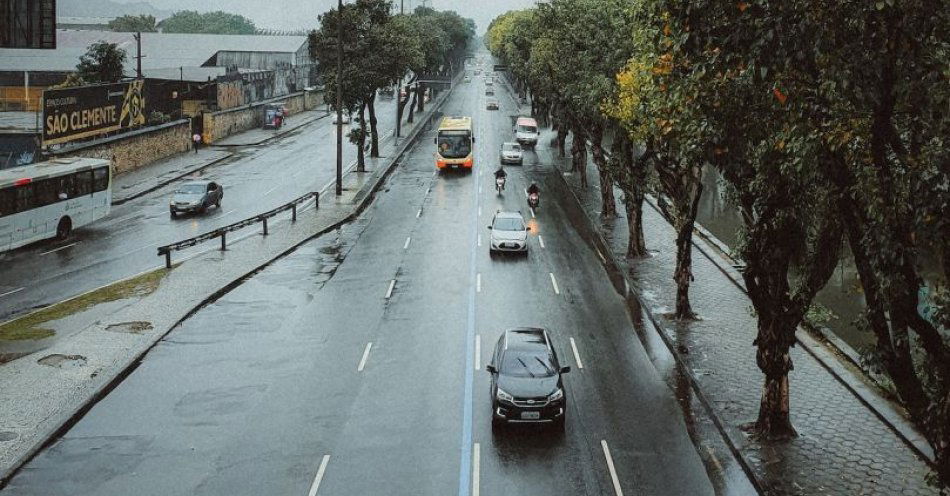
(508, 224)
(191, 189)
(454, 146)
(527, 129)
(511, 147)
(526, 364)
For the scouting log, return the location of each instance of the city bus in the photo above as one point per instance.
(454, 143)
(50, 199)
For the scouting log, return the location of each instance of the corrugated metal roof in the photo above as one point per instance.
(161, 50)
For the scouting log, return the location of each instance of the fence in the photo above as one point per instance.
(222, 232)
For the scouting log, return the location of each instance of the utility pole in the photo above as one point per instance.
(339, 99)
(138, 54)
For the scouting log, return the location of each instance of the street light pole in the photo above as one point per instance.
(339, 99)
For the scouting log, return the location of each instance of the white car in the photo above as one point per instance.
(511, 154)
(509, 233)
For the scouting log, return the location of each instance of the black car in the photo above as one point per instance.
(526, 384)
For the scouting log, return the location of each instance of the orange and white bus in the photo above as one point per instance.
(454, 143)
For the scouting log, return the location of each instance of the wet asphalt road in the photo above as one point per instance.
(309, 380)
(123, 244)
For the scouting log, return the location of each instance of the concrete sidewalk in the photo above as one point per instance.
(46, 392)
(851, 440)
(133, 184)
(260, 136)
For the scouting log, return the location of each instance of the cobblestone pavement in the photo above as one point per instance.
(842, 448)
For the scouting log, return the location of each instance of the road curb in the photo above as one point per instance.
(273, 136)
(363, 199)
(611, 264)
(166, 182)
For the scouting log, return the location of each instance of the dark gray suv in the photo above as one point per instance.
(526, 384)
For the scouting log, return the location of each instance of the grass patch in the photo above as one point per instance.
(31, 327)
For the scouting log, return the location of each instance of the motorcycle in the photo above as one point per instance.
(533, 199)
(499, 184)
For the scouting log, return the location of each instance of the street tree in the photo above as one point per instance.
(131, 24)
(102, 63)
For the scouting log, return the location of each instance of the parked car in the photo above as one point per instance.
(508, 233)
(511, 154)
(526, 379)
(491, 104)
(489, 91)
(196, 196)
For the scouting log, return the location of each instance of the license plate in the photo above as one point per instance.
(530, 415)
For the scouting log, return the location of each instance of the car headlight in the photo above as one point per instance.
(503, 396)
(556, 395)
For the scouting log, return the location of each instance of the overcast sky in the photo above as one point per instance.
(293, 14)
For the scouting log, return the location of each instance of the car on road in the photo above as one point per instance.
(509, 233)
(511, 154)
(196, 196)
(526, 379)
(491, 104)
(489, 91)
(526, 131)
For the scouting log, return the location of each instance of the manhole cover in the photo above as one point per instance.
(7, 436)
(135, 327)
(60, 361)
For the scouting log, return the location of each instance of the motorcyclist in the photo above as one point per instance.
(534, 189)
(501, 174)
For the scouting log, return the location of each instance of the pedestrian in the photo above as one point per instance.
(196, 140)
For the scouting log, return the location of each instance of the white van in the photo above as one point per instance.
(526, 131)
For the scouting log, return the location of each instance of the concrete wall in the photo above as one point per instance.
(135, 149)
(221, 124)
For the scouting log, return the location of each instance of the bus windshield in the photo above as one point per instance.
(455, 145)
(527, 129)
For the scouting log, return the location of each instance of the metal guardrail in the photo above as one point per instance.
(222, 232)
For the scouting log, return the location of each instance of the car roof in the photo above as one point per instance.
(526, 339)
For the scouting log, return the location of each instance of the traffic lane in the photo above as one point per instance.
(123, 244)
(618, 397)
(255, 368)
(246, 397)
(403, 436)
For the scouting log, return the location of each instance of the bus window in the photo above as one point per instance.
(44, 192)
(83, 182)
(67, 186)
(100, 179)
(7, 201)
(24, 198)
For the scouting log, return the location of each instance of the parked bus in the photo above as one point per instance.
(454, 143)
(50, 199)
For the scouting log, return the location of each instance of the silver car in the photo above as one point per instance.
(508, 233)
(195, 196)
(511, 154)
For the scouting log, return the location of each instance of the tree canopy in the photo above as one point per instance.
(218, 22)
(102, 63)
(132, 24)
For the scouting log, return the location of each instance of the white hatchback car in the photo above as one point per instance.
(509, 233)
(511, 154)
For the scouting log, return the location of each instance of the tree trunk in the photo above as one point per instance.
(632, 176)
(774, 423)
(579, 155)
(421, 90)
(360, 155)
(683, 273)
(562, 140)
(374, 133)
(608, 205)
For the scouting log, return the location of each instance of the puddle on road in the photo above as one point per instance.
(61, 361)
(134, 327)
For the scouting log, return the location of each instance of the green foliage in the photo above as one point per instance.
(132, 24)
(218, 22)
(102, 63)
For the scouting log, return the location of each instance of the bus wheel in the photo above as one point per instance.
(64, 227)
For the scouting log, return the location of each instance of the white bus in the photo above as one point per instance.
(50, 199)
